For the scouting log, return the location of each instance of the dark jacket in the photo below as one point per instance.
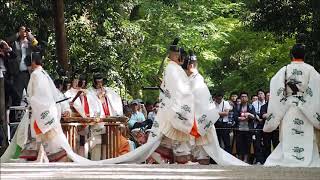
(263, 111)
(9, 63)
(237, 114)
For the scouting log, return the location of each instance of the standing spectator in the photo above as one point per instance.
(23, 43)
(254, 98)
(268, 137)
(233, 104)
(6, 58)
(258, 126)
(244, 116)
(233, 98)
(153, 113)
(223, 107)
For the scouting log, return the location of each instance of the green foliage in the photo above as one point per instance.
(286, 19)
(126, 40)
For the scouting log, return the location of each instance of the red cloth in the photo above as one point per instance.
(84, 101)
(36, 128)
(106, 108)
(194, 130)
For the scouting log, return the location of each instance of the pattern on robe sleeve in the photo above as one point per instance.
(311, 108)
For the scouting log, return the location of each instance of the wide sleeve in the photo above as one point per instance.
(311, 104)
(179, 98)
(206, 114)
(44, 110)
(276, 107)
(64, 104)
(115, 102)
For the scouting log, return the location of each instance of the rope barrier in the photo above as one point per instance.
(242, 130)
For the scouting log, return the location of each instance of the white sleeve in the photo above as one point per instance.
(277, 107)
(179, 98)
(227, 105)
(311, 106)
(42, 102)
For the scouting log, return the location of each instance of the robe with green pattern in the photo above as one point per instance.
(298, 113)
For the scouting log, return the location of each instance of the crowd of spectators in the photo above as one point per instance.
(239, 128)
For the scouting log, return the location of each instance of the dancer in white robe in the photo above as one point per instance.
(206, 115)
(44, 121)
(295, 106)
(173, 122)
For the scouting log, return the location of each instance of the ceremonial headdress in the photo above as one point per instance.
(174, 45)
(97, 76)
(189, 59)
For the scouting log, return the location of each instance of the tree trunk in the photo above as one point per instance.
(61, 41)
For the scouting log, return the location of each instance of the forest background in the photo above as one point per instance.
(240, 44)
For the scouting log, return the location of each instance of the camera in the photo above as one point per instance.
(28, 29)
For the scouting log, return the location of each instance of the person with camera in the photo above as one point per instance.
(23, 44)
(6, 58)
(222, 125)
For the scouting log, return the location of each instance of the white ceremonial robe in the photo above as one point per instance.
(298, 114)
(94, 107)
(43, 96)
(206, 115)
(114, 102)
(115, 109)
(180, 124)
(176, 111)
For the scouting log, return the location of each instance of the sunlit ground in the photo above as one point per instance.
(134, 171)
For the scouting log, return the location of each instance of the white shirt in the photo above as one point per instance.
(23, 46)
(152, 115)
(257, 105)
(224, 105)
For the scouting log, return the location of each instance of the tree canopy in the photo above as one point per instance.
(239, 44)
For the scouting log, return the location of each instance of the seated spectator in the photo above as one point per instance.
(142, 108)
(153, 113)
(136, 116)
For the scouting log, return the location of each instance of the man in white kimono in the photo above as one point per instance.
(295, 104)
(110, 104)
(206, 145)
(87, 104)
(175, 117)
(110, 100)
